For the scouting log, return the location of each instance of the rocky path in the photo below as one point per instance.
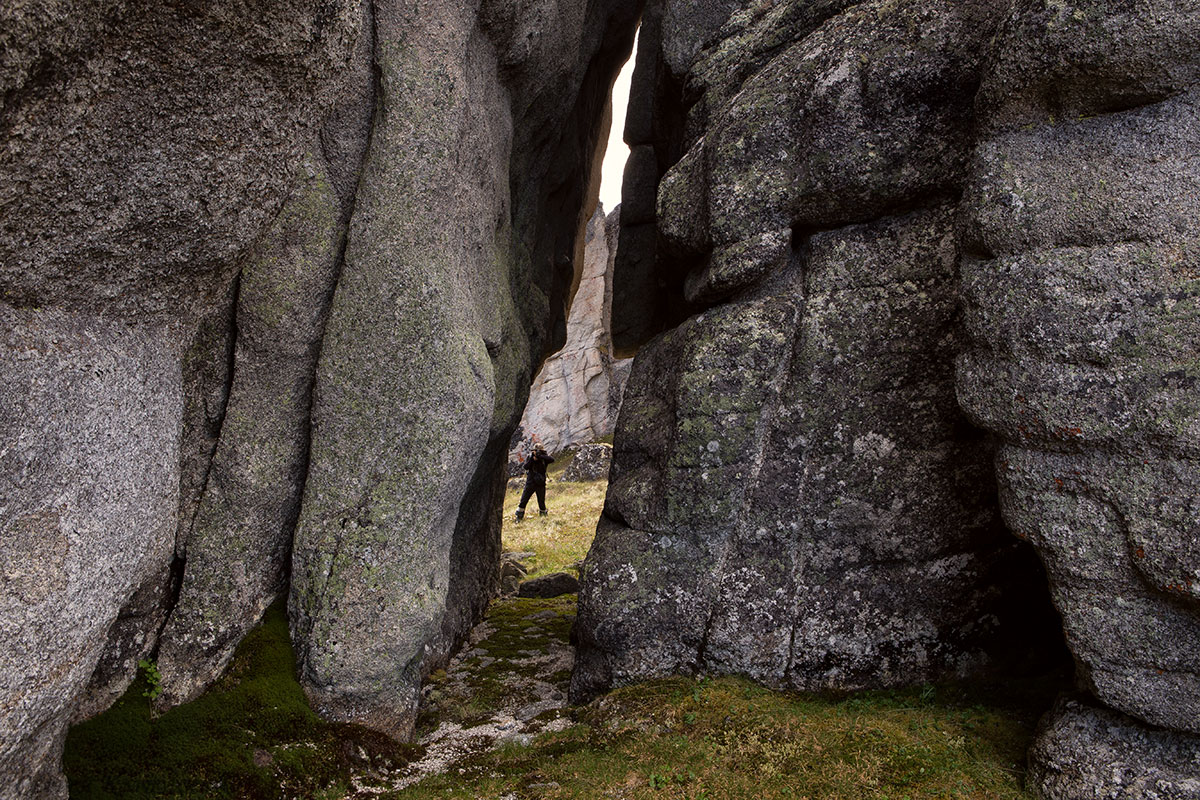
(507, 684)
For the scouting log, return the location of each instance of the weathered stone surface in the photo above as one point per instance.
(795, 495)
(1081, 58)
(139, 173)
(1084, 751)
(237, 535)
(824, 518)
(1082, 300)
(576, 395)
(457, 266)
(239, 546)
(83, 529)
(144, 150)
(589, 462)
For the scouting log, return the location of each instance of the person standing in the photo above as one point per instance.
(535, 480)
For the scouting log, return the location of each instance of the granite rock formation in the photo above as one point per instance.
(1081, 296)
(458, 266)
(576, 395)
(145, 149)
(900, 275)
(795, 495)
(268, 265)
(863, 245)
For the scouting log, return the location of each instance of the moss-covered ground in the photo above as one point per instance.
(253, 735)
(727, 738)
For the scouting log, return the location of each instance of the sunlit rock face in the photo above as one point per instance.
(576, 395)
(268, 264)
(1081, 296)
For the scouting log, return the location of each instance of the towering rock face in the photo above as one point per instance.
(827, 203)
(209, 215)
(1082, 297)
(576, 395)
(457, 266)
(795, 495)
(145, 148)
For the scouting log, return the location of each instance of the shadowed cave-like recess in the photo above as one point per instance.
(911, 287)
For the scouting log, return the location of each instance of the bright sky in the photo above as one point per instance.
(618, 151)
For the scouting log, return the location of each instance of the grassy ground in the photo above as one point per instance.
(727, 738)
(562, 538)
(253, 736)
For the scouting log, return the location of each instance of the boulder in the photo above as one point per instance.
(275, 278)
(1081, 300)
(145, 151)
(512, 572)
(460, 257)
(1086, 750)
(589, 462)
(553, 585)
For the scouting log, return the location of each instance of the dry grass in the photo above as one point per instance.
(562, 538)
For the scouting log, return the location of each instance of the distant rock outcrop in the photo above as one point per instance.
(577, 393)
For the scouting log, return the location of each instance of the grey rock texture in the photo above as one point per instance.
(576, 395)
(795, 495)
(239, 544)
(1081, 298)
(458, 263)
(1084, 751)
(236, 538)
(244, 241)
(83, 528)
(589, 462)
(144, 150)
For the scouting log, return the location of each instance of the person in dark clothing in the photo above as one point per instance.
(535, 480)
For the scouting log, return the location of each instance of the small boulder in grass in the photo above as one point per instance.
(590, 463)
(552, 585)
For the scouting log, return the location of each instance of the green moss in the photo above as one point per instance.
(252, 736)
(729, 738)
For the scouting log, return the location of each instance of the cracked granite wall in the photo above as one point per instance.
(1081, 294)
(795, 494)
(866, 245)
(276, 276)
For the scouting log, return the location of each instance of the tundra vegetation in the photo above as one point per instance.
(254, 736)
